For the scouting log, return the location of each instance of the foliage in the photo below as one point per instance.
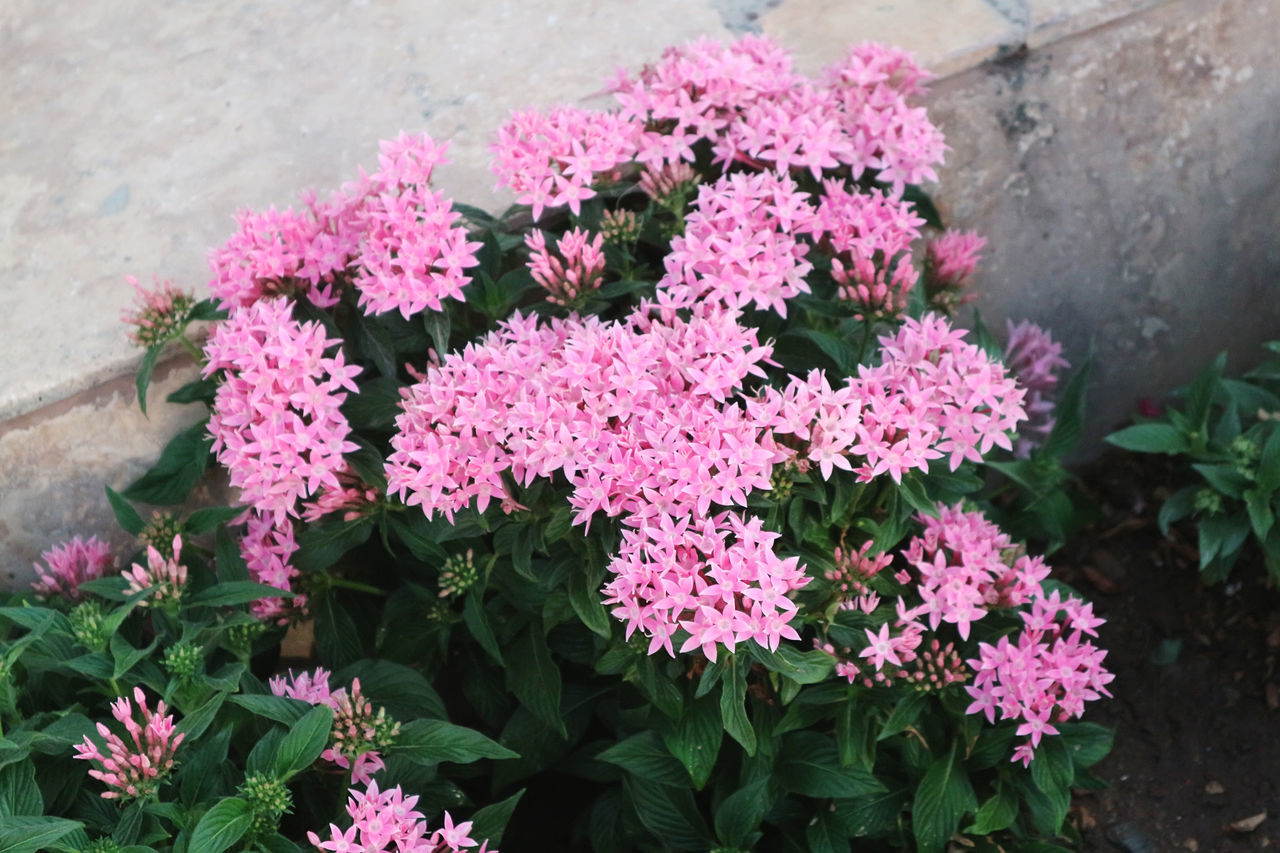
(1225, 435)
(648, 514)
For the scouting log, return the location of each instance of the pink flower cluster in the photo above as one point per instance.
(386, 234)
(952, 258)
(576, 269)
(869, 237)
(1035, 358)
(133, 768)
(267, 545)
(965, 566)
(740, 245)
(413, 252)
(747, 103)
(70, 564)
(932, 395)
(159, 314)
(164, 577)
(276, 421)
(387, 821)
(553, 160)
(1045, 674)
(961, 568)
(357, 729)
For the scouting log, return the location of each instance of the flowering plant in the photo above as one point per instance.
(1225, 437)
(662, 485)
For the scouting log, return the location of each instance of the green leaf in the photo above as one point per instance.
(644, 755)
(337, 644)
(1261, 516)
(1269, 463)
(195, 391)
(1224, 478)
(477, 622)
(195, 723)
(282, 709)
(145, 369)
(180, 467)
(223, 825)
(19, 793)
(236, 592)
(1088, 743)
(304, 742)
(433, 741)
(695, 739)
(535, 679)
(584, 596)
(811, 667)
(943, 797)
(841, 352)
(1068, 425)
(1201, 393)
(669, 813)
(126, 516)
(437, 325)
(903, 714)
(741, 813)
(125, 656)
(733, 703)
(868, 817)
(1052, 769)
(490, 823)
(228, 561)
(322, 545)
(809, 764)
(997, 813)
(921, 201)
(1222, 536)
(30, 834)
(1179, 505)
(207, 518)
(1150, 438)
(419, 544)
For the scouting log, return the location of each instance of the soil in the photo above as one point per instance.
(1196, 762)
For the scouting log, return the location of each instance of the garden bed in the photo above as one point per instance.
(1195, 755)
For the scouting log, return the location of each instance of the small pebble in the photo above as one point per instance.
(1129, 836)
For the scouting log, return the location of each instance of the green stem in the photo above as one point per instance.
(190, 347)
(343, 583)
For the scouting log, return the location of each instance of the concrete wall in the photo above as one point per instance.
(1121, 156)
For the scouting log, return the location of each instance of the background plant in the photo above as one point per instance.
(656, 497)
(1224, 435)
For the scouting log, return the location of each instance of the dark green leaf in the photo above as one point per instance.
(1068, 424)
(145, 369)
(228, 561)
(304, 742)
(733, 703)
(337, 643)
(1088, 743)
(997, 813)
(19, 793)
(207, 518)
(477, 622)
(180, 467)
(236, 592)
(490, 823)
(279, 708)
(1052, 769)
(644, 755)
(196, 391)
(1150, 438)
(125, 655)
(126, 516)
(223, 825)
(29, 834)
(669, 813)
(741, 813)
(1201, 393)
(1179, 505)
(809, 764)
(535, 679)
(433, 741)
(923, 203)
(322, 545)
(195, 723)
(695, 739)
(943, 797)
(903, 714)
(869, 817)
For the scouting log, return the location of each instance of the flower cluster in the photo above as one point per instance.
(387, 820)
(576, 272)
(276, 422)
(133, 768)
(949, 262)
(164, 578)
(553, 160)
(1035, 358)
(266, 546)
(70, 564)
(159, 315)
(740, 246)
(1043, 675)
(358, 731)
(413, 251)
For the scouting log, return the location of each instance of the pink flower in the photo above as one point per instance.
(267, 546)
(576, 272)
(164, 577)
(1035, 359)
(133, 768)
(159, 315)
(70, 564)
(388, 820)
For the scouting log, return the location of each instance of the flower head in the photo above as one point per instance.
(70, 564)
(134, 767)
(164, 577)
(159, 315)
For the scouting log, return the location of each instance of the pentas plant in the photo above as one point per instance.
(665, 486)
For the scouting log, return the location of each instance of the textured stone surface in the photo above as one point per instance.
(54, 467)
(1127, 179)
